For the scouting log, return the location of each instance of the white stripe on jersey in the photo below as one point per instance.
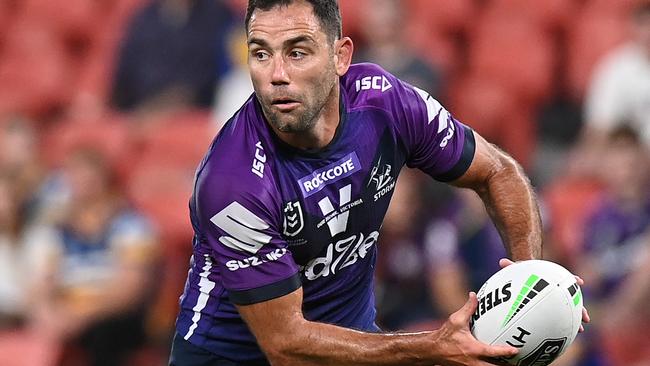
(243, 226)
(205, 286)
(433, 109)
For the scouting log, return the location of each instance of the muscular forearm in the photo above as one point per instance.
(508, 197)
(325, 344)
(511, 203)
(288, 338)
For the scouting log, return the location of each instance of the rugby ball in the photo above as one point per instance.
(535, 306)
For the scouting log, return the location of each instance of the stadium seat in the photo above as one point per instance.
(494, 111)
(595, 32)
(351, 12)
(124, 9)
(6, 15)
(446, 16)
(68, 19)
(162, 191)
(95, 75)
(27, 348)
(629, 344)
(86, 32)
(27, 83)
(437, 48)
(180, 138)
(434, 28)
(109, 134)
(552, 15)
(509, 48)
(613, 7)
(162, 173)
(570, 201)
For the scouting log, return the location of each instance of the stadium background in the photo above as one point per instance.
(139, 88)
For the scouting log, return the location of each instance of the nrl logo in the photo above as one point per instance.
(293, 220)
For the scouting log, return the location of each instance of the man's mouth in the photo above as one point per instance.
(285, 104)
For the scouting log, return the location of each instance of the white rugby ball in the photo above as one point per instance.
(535, 306)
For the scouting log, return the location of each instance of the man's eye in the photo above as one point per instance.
(261, 56)
(297, 54)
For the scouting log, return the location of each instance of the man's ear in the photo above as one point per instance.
(343, 49)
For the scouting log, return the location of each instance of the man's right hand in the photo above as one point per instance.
(457, 346)
(289, 339)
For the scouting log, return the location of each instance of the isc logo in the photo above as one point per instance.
(259, 160)
(373, 82)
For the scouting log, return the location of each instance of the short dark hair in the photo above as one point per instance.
(327, 12)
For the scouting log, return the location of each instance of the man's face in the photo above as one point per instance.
(291, 62)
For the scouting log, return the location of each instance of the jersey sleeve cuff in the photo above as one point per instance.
(267, 292)
(465, 160)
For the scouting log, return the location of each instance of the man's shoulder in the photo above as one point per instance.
(238, 162)
(241, 138)
(369, 86)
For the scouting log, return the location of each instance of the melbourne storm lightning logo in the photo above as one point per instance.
(380, 176)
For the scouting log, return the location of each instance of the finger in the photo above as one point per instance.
(505, 262)
(580, 281)
(499, 351)
(463, 314)
(581, 329)
(585, 316)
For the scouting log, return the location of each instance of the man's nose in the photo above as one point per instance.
(279, 76)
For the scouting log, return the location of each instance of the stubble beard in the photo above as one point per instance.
(303, 121)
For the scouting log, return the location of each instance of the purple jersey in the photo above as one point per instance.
(269, 218)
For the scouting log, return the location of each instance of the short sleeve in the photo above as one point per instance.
(435, 142)
(240, 219)
(441, 146)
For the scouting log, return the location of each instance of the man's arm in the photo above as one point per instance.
(287, 338)
(509, 199)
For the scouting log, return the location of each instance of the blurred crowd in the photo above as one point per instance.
(107, 106)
